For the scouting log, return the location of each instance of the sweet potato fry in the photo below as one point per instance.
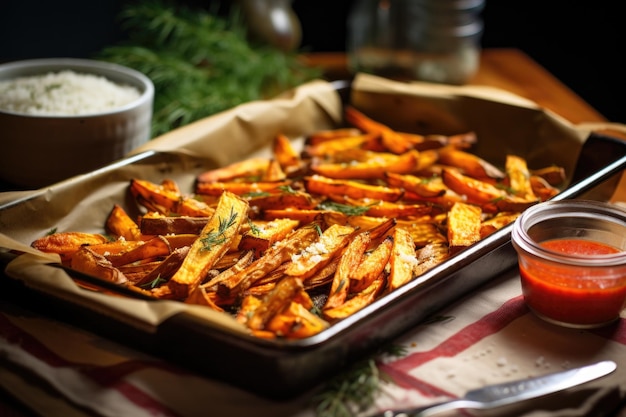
(120, 224)
(373, 168)
(301, 215)
(357, 301)
(349, 261)
(497, 222)
(67, 243)
(296, 322)
(264, 234)
(164, 269)
(430, 256)
(318, 184)
(519, 177)
(385, 208)
(553, 175)
(202, 297)
(241, 188)
(469, 163)
(172, 225)
(154, 248)
(275, 301)
(163, 200)
(329, 149)
(424, 187)
(542, 188)
(283, 200)
(371, 266)
(276, 255)
(285, 154)
(215, 239)
(422, 233)
(401, 260)
(332, 135)
(392, 140)
(464, 222)
(242, 263)
(252, 168)
(318, 254)
(274, 172)
(91, 263)
(476, 191)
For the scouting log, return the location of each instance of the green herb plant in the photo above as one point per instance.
(217, 237)
(355, 389)
(200, 63)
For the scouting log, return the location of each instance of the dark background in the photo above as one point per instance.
(581, 43)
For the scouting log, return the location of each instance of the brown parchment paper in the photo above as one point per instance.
(502, 121)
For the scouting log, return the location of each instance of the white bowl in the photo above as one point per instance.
(39, 150)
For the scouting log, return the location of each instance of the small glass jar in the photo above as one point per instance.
(572, 261)
(426, 40)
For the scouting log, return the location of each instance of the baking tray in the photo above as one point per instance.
(281, 369)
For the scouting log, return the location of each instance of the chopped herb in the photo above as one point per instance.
(346, 209)
(252, 194)
(354, 390)
(217, 237)
(52, 231)
(254, 228)
(154, 283)
(287, 189)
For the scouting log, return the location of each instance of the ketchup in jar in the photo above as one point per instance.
(572, 261)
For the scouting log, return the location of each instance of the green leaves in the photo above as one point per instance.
(217, 237)
(200, 63)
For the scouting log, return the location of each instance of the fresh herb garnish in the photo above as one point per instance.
(287, 189)
(52, 231)
(154, 283)
(253, 194)
(217, 237)
(346, 209)
(254, 228)
(200, 63)
(354, 390)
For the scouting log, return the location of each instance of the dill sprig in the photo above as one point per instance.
(354, 390)
(200, 63)
(217, 237)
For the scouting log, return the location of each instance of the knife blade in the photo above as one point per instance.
(507, 393)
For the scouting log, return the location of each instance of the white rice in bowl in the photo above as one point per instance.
(64, 93)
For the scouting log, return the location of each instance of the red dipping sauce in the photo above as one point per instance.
(572, 261)
(580, 296)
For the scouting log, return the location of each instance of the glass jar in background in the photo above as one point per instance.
(426, 40)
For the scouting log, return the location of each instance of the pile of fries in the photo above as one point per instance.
(293, 243)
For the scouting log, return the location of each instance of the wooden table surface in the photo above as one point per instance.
(508, 69)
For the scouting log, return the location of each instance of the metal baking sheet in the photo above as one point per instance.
(283, 369)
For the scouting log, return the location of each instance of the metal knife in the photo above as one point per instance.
(508, 393)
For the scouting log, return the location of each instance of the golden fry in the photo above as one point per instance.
(464, 222)
(215, 239)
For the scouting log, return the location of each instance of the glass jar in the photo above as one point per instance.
(427, 40)
(572, 261)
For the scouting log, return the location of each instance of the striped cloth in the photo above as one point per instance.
(487, 337)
